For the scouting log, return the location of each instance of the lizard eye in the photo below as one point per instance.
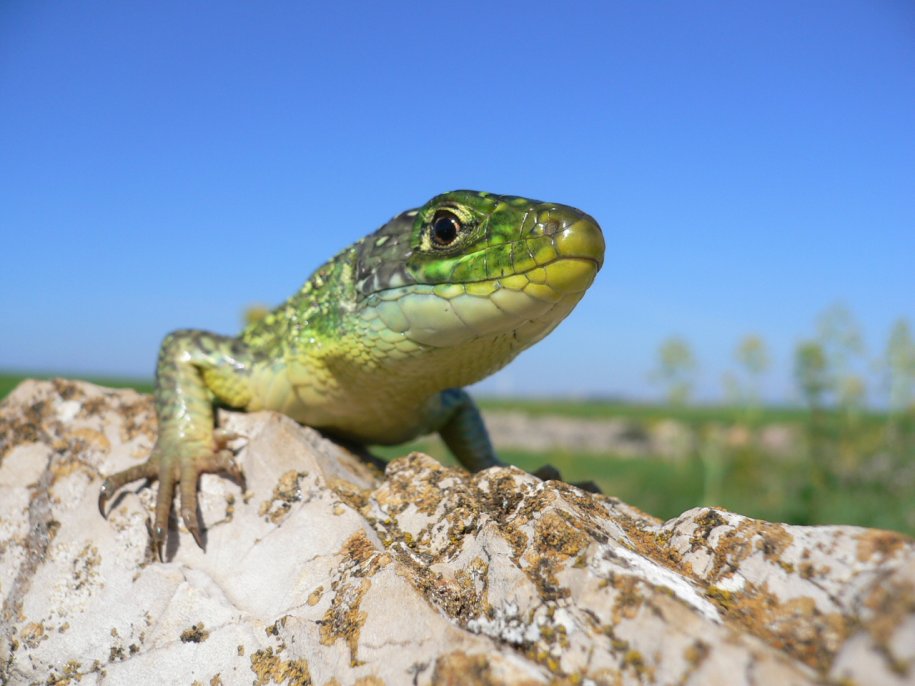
(445, 229)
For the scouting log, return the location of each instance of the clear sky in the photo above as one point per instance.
(166, 164)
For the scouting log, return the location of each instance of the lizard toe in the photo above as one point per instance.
(164, 500)
(113, 483)
(190, 476)
(224, 436)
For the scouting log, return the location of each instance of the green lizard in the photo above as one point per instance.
(377, 344)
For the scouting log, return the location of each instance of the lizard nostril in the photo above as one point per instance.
(551, 227)
(546, 225)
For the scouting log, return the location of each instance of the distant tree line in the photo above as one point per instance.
(827, 367)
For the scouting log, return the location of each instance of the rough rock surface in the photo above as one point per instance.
(326, 571)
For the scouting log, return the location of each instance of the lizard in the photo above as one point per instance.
(377, 344)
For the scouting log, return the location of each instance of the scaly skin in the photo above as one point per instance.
(375, 346)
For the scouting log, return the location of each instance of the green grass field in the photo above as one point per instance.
(849, 472)
(606, 409)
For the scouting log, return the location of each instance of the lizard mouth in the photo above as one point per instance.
(548, 263)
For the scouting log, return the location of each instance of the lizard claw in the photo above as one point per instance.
(190, 473)
(104, 493)
(157, 539)
(192, 524)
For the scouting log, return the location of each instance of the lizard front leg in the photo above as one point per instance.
(460, 424)
(458, 421)
(194, 370)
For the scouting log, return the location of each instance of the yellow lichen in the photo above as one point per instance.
(269, 668)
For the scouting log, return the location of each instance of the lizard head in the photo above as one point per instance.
(466, 237)
(470, 266)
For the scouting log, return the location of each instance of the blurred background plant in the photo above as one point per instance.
(676, 371)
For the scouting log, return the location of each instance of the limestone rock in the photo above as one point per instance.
(326, 571)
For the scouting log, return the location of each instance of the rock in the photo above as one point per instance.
(328, 572)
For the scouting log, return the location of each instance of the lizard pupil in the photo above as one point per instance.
(445, 229)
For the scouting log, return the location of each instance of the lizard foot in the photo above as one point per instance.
(549, 473)
(173, 469)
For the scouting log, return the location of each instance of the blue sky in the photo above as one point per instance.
(165, 164)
